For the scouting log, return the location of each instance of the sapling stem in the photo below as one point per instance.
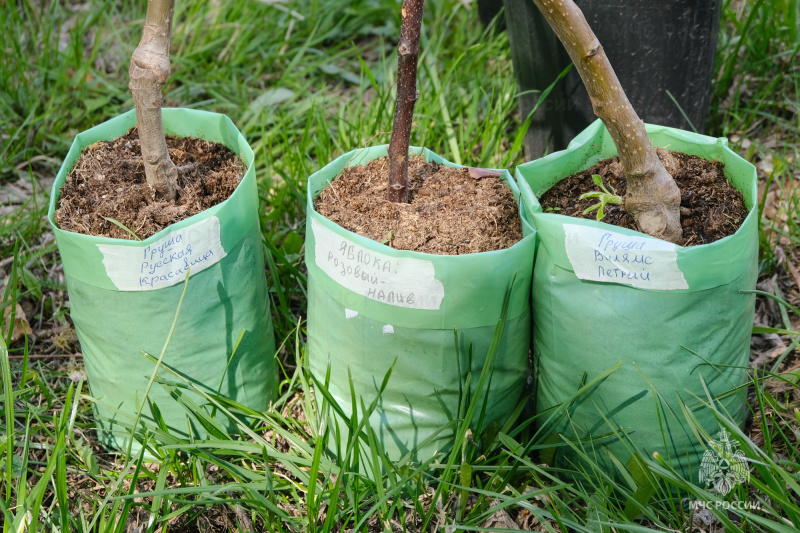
(652, 198)
(407, 58)
(149, 72)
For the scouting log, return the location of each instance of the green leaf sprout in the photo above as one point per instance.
(604, 197)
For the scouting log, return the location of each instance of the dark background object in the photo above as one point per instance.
(654, 47)
(488, 10)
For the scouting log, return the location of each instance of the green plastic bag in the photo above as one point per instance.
(124, 295)
(373, 308)
(673, 316)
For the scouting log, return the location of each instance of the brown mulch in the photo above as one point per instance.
(450, 212)
(108, 181)
(710, 207)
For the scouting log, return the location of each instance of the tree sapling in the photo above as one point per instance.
(652, 198)
(149, 72)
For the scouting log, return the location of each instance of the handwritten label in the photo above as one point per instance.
(398, 281)
(610, 257)
(165, 262)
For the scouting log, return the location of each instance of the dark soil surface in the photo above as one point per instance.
(711, 208)
(450, 211)
(108, 180)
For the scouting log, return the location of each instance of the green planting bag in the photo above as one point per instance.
(674, 318)
(373, 308)
(124, 296)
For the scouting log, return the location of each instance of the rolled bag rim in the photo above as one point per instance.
(717, 266)
(517, 259)
(79, 252)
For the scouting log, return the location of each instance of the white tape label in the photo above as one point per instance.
(610, 257)
(165, 262)
(398, 281)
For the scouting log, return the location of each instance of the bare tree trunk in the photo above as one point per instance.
(149, 72)
(407, 57)
(653, 198)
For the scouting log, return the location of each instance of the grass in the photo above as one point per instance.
(306, 82)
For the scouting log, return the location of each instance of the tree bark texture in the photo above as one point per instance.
(653, 198)
(407, 57)
(149, 72)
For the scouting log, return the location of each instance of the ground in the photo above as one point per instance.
(305, 83)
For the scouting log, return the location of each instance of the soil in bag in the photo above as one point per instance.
(711, 208)
(108, 182)
(450, 212)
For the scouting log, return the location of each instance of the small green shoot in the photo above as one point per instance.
(604, 197)
(388, 238)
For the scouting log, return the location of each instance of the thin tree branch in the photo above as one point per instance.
(407, 94)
